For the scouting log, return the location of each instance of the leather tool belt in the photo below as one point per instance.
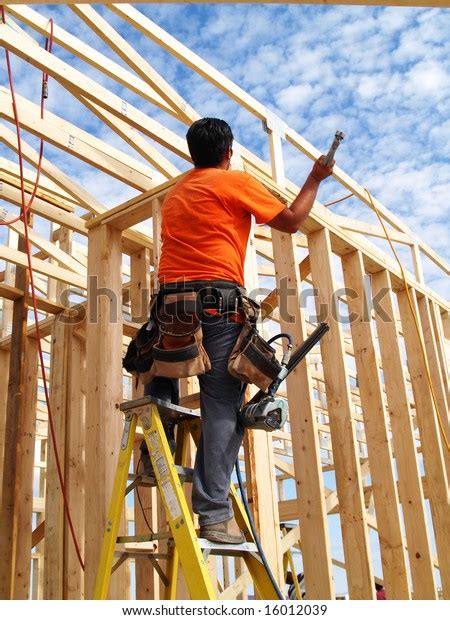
(170, 343)
(179, 351)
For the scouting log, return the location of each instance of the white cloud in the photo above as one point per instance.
(428, 78)
(292, 97)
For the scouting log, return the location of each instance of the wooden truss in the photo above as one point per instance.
(363, 440)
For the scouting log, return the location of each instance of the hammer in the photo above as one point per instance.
(338, 137)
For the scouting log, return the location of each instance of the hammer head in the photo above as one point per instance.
(339, 135)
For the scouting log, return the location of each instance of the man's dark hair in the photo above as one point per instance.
(208, 140)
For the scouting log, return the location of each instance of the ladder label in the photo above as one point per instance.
(161, 465)
(160, 460)
(171, 500)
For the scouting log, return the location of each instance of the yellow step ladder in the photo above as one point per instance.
(184, 545)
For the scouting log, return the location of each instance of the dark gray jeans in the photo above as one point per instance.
(221, 438)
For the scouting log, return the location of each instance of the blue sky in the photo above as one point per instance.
(382, 75)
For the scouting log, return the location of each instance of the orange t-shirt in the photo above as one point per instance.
(206, 221)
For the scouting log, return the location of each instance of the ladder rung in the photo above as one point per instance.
(143, 538)
(227, 549)
(137, 552)
(184, 473)
(191, 400)
(135, 544)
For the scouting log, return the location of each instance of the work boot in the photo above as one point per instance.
(223, 532)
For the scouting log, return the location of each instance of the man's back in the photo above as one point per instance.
(206, 223)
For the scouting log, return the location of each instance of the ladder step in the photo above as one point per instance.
(191, 400)
(184, 473)
(139, 552)
(143, 538)
(134, 544)
(227, 549)
(168, 411)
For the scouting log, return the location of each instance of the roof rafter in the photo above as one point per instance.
(82, 85)
(79, 143)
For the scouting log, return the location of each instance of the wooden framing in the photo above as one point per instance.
(400, 414)
(380, 455)
(345, 455)
(360, 404)
(305, 438)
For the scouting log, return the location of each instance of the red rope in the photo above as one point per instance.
(24, 217)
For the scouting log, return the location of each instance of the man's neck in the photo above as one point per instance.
(224, 165)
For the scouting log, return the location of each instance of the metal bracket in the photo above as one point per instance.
(71, 142)
(126, 432)
(236, 160)
(274, 124)
(124, 108)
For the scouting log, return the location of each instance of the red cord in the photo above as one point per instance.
(24, 217)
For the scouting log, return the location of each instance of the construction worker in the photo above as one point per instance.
(206, 220)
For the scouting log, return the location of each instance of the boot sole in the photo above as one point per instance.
(222, 538)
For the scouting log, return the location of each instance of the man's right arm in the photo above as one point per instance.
(290, 219)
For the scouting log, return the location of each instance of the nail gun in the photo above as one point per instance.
(266, 411)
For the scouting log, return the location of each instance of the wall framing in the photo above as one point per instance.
(376, 422)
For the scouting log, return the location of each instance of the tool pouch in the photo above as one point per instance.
(252, 360)
(179, 351)
(139, 356)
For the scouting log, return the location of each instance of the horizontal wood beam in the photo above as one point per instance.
(10, 292)
(44, 305)
(132, 240)
(134, 210)
(40, 266)
(47, 190)
(364, 228)
(50, 249)
(41, 207)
